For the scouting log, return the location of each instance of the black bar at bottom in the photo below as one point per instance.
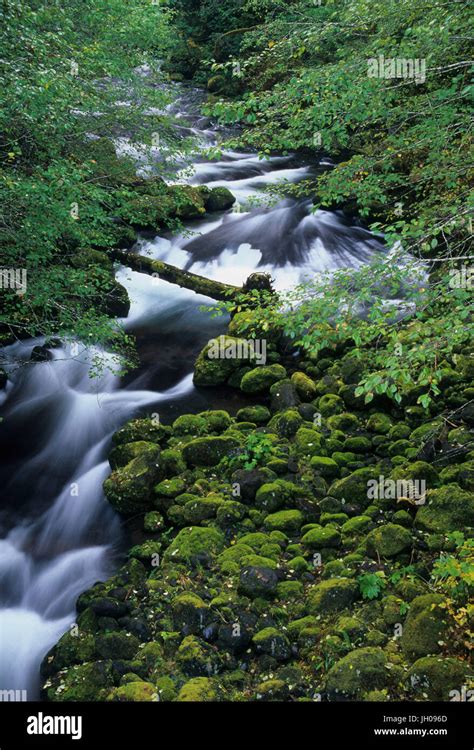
(378, 725)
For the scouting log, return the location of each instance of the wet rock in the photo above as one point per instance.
(258, 581)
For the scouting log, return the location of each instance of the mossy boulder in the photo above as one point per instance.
(136, 691)
(129, 489)
(345, 422)
(217, 420)
(190, 424)
(261, 378)
(255, 414)
(195, 658)
(308, 442)
(201, 509)
(353, 488)
(272, 642)
(284, 520)
(305, 387)
(426, 626)
(379, 423)
(321, 537)
(287, 423)
(210, 369)
(258, 581)
(333, 595)
(274, 495)
(84, 682)
(436, 678)
(209, 451)
(389, 540)
(117, 645)
(356, 526)
(327, 467)
(170, 487)
(190, 613)
(358, 672)
(219, 199)
(448, 508)
(195, 545)
(197, 690)
(330, 404)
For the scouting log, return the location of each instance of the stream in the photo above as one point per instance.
(58, 534)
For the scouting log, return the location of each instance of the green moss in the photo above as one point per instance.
(434, 678)
(389, 540)
(335, 519)
(217, 420)
(195, 545)
(85, 682)
(358, 445)
(197, 690)
(273, 495)
(327, 467)
(272, 642)
(425, 627)
(448, 508)
(153, 521)
(357, 525)
(189, 612)
(190, 424)
(172, 462)
(170, 487)
(284, 520)
(219, 198)
(201, 508)
(272, 690)
(358, 672)
(261, 378)
(344, 422)
(286, 423)
(333, 595)
(134, 691)
(320, 537)
(288, 590)
(305, 387)
(353, 488)
(308, 442)
(117, 645)
(209, 451)
(129, 488)
(379, 423)
(256, 414)
(330, 404)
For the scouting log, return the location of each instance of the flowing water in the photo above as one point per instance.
(59, 535)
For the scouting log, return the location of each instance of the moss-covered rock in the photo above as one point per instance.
(308, 442)
(256, 414)
(195, 545)
(209, 451)
(346, 422)
(448, 508)
(217, 420)
(219, 199)
(85, 682)
(389, 540)
(305, 387)
(284, 520)
(327, 467)
(136, 691)
(190, 424)
(330, 404)
(129, 489)
(434, 678)
(333, 595)
(190, 613)
(197, 690)
(321, 537)
(261, 378)
(426, 626)
(379, 423)
(272, 642)
(170, 487)
(356, 673)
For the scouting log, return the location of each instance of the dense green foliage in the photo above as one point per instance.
(298, 77)
(62, 75)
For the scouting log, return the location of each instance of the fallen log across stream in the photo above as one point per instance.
(199, 284)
